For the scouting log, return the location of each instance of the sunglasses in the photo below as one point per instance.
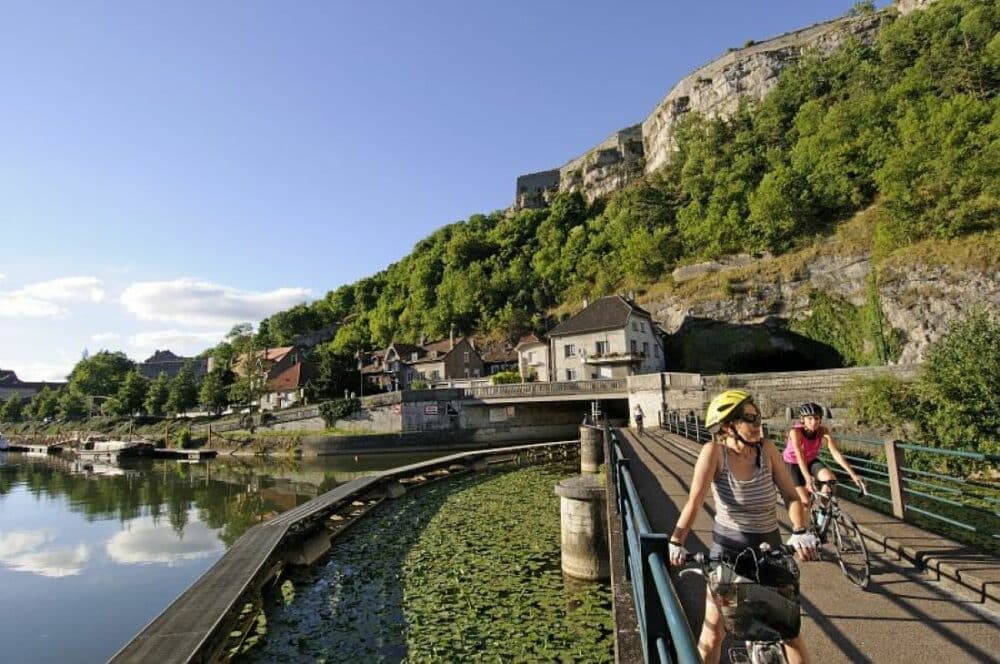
(749, 418)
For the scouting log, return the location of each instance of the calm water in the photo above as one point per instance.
(90, 554)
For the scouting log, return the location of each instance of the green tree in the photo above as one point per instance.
(132, 393)
(960, 382)
(183, 394)
(157, 395)
(45, 404)
(333, 373)
(214, 394)
(100, 374)
(11, 410)
(72, 405)
(247, 365)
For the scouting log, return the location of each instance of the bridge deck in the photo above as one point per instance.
(904, 616)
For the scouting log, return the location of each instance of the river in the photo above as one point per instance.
(89, 554)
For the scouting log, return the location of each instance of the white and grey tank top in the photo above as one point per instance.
(748, 506)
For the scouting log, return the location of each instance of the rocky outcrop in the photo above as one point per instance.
(606, 168)
(713, 90)
(729, 309)
(921, 300)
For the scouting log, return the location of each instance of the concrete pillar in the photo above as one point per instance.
(591, 449)
(584, 522)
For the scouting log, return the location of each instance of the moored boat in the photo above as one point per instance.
(101, 448)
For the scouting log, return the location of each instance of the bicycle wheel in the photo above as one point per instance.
(852, 554)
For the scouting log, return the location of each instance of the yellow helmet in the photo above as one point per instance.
(723, 406)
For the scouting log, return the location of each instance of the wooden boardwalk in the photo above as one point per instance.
(906, 616)
(195, 626)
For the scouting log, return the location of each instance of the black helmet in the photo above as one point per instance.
(810, 408)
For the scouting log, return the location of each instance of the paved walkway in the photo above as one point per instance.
(905, 616)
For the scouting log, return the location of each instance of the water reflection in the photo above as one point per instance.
(146, 542)
(30, 551)
(120, 541)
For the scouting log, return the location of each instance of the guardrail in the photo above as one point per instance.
(663, 627)
(547, 389)
(897, 488)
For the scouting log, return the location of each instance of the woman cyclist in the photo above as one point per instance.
(805, 442)
(742, 468)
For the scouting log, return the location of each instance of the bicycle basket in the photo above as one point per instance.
(761, 609)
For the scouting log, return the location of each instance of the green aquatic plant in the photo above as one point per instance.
(459, 570)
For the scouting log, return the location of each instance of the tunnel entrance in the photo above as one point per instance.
(708, 346)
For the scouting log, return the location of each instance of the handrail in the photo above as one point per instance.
(663, 627)
(896, 476)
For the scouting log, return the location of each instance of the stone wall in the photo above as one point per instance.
(773, 392)
(533, 190)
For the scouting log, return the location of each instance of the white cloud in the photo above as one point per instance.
(24, 551)
(38, 300)
(193, 302)
(67, 289)
(181, 342)
(2, 276)
(145, 543)
(16, 304)
(102, 337)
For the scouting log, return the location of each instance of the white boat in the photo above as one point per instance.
(103, 448)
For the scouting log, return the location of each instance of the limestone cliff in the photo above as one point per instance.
(725, 313)
(713, 90)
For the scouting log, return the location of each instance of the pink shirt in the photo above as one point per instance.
(810, 448)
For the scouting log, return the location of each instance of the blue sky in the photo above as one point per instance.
(168, 169)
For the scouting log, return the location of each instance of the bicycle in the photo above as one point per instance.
(848, 542)
(758, 596)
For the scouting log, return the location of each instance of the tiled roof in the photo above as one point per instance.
(275, 354)
(406, 351)
(528, 340)
(498, 353)
(607, 313)
(291, 378)
(442, 346)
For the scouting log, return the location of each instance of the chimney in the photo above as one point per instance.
(423, 338)
(451, 337)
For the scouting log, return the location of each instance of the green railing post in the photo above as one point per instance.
(655, 618)
(894, 460)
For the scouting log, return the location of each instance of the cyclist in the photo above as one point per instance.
(805, 442)
(638, 414)
(742, 468)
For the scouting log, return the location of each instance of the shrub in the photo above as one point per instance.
(331, 411)
(506, 378)
(183, 440)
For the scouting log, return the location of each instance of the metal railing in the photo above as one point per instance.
(604, 385)
(895, 487)
(663, 627)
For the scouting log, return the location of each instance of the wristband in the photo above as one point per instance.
(798, 531)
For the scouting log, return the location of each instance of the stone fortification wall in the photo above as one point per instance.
(534, 189)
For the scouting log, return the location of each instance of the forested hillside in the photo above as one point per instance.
(910, 123)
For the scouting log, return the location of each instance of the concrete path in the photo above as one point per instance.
(905, 616)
